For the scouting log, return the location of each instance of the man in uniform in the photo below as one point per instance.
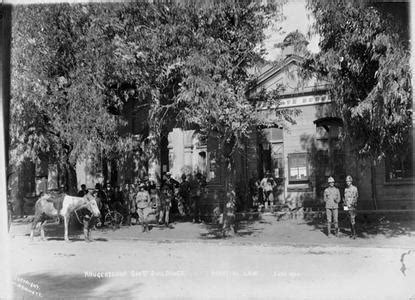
(142, 201)
(184, 193)
(166, 196)
(350, 201)
(172, 185)
(332, 199)
(268, 185)
(197, 187)
(87, 221)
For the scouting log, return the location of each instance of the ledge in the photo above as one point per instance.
(399, 182)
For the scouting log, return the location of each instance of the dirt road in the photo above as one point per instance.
(115, 266)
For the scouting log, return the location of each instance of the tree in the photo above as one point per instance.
(368, 66)
(60, 59)
(190, 62)
(181, 63)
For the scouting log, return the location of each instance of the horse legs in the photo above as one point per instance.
(66, 221)
(33, 229)
(35, 221)
(42, 230)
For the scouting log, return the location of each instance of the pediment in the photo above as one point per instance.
(286, 74)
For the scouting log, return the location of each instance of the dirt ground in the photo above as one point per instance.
(266, 259)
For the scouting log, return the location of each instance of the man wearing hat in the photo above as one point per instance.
(268, 185)
(142, 202)
(332, 199)
(350, 201)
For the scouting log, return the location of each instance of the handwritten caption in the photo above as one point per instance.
(27, 286)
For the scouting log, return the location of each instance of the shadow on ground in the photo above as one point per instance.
(243, 228)
(369, 224)
(55, 232)
(57, 286)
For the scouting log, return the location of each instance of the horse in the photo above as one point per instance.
(56, 205)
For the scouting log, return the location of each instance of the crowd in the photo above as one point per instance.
(145, 200)
(262, 192)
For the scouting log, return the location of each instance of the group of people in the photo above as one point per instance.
(145, 199)
(262, 191)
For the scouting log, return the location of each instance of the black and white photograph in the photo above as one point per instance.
(207, 149)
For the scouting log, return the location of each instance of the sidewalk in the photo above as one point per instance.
(266, 231)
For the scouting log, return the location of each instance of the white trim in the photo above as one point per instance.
(298, 101)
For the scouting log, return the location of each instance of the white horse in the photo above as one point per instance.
(56, 205)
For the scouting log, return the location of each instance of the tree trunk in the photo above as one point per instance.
(104, 163)
(71, 179)
(373, 181)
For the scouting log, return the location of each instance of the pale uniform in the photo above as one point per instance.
(332, 199)
(142, 202)
(350, 199)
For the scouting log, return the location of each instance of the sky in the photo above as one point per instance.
(297, 17)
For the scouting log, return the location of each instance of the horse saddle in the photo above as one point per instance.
(57, 200)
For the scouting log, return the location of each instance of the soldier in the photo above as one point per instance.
(109, 192)
(87, 221)
(332, 199)
(184, 193)
(229, 212)
(166, 196)
(350, 200)
(268, 185)
(101, 201)
(173, 186)
(142, 201)
(197, 186)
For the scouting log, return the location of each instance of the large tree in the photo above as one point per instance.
(367, 62)
(182, 63)
(191, 60)
(60, 61)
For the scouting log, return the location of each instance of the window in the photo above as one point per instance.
(298, 167)
(399, 167)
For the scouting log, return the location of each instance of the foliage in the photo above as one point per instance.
(369, 67)
(77, 68)
(190, 63)
(59, 67)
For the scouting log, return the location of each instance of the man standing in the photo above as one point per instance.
(142, 201)
(332, 199)
(184, 193)
(267, 185)
(166, 196)
(86, 215)
(109, 192)
(350, 200)
(197, 189)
